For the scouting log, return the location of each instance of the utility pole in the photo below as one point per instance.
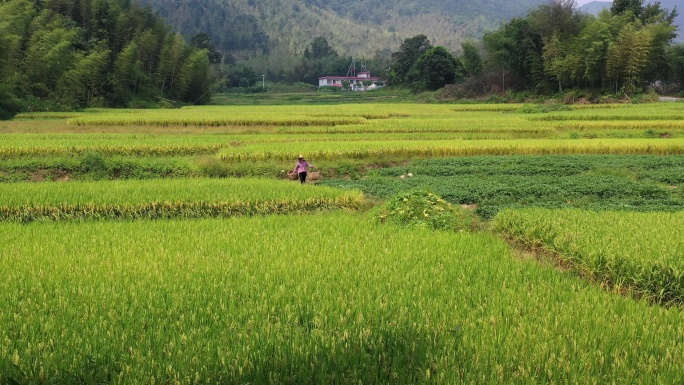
(263, 82)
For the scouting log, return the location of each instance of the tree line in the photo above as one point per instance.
(554, 48)
(68, 54)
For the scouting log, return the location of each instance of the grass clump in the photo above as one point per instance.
(426, 209)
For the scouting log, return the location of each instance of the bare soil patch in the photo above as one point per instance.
(62, 176)
(38, 176)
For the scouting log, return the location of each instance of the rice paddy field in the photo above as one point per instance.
(168, 246)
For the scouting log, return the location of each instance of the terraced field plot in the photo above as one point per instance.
(635, 251)
(596, 182)
(165, 198)
(243, 300)
(132, 254)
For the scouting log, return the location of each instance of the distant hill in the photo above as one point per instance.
(353, 27)
(595, 7)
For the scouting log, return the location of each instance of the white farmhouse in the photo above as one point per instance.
(356, 82)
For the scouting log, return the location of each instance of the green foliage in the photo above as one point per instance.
(425, 209)
(203, 41)
(248, 28)
(434, 69)
(93, 53)
(471, 60)
(648, 264)
(93, 164)
(225, 26)
(635, 7)
(623, 51)
(409, 53)
(547, 181)
(627, 57)
(320, 48)
(676, 57)
(253, 303)
(165, 198)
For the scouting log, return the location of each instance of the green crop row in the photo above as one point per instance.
(309, 299)
(639, 252)
(443, 148)
(257, 147)
(459, 124)
(124, 120)
(672, 125)
(617, 116)
(333, 115)
(630, 183)
(165, 198)
(665, 169)
(173, 209)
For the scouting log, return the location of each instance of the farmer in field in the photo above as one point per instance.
(301, 168)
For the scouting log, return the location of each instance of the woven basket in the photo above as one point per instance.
(314, 175)
(292, 176)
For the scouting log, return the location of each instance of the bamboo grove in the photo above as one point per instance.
(62, 55)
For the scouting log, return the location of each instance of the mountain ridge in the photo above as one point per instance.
(353, 27)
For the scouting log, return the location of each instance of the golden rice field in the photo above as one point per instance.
(114, 273)
(408, 130)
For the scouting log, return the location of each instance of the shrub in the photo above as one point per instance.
(95, 165)
(426, 209)
(213, 167)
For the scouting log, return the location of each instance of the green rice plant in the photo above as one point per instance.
(633, 252)
(461, 124)
(443, 148)
(309, 299)
(47, 115)
(156, 199)
(675, 125)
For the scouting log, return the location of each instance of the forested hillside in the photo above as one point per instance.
(65, 54)
(353, 27)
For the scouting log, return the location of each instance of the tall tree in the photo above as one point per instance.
(170, 63)
(203, 41)
(628, 57)
(558, 63)
(621, 6)
(559, 18)
(84, 84)
(409, 52)
(676, 56)
(128, 73)
(194, 79)
(434, 69)
(471, 60)
(50, 53)
(517, 47)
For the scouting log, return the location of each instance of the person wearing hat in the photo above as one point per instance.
(301, 168)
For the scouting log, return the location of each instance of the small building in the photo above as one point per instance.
(356, 82)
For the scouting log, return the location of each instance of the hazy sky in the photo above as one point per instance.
(582, 2)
